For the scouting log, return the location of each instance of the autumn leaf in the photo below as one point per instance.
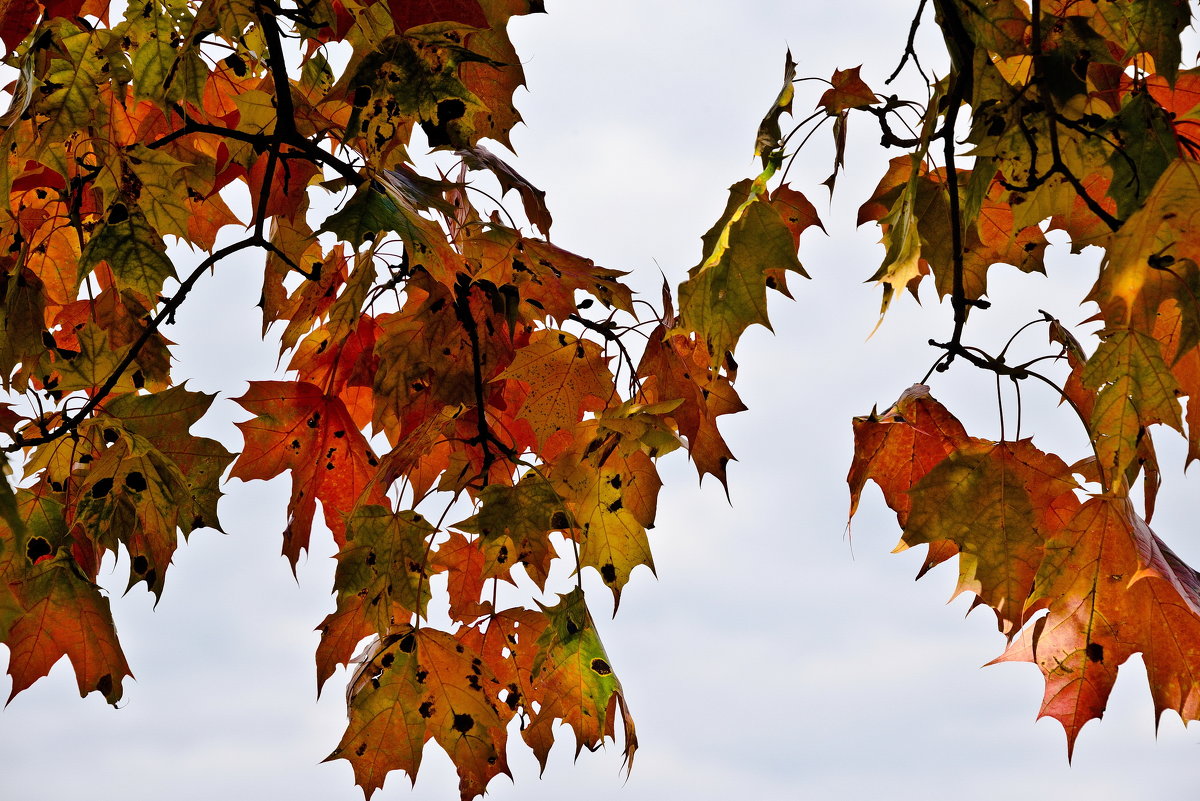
(511, 375)
(574, 682)
(532, 198)
(64, 614)
(300, 429)
(410, 688)
(567, 376)
(132, 249)
(996, 504)
(1135, 390)
(514, 523)
(677, 368)
(847, 91)
(466, 566)
(509, 646)
(727, 292)
(17, 18)
(768, 140)
(898, 448)
(1111, 591)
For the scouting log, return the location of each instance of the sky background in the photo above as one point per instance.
(777, 655)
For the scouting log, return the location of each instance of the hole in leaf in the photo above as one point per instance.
(38, 548)
(235, 63)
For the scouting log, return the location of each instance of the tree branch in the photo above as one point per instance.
(166, 312)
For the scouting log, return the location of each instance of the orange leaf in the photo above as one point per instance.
(848, 91)
(418, 684)
(298, 428)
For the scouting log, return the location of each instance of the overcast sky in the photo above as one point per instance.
(775, 657)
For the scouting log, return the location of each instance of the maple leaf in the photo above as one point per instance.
(544, 276)
(997, 504)
(1111, 591)
(381, 581)
(17, 19)
(133, 494)
(1135, 390)
(410, 688)
(132, 250)
(299, 428)
(847, 91)
(1150, 27)
(509, 646)
(1139, 269)
(901, 268)
(532, 198)
(566, 377)
(573, 681)
(898, 448)
(677, 368)
(611, 487)
(514, 523)
(64, 614)
(727, 292)
(465, 564)
(432, 357)
(767, 141)
(163, 420)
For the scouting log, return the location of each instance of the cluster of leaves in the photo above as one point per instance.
(438, 357)
(1081, 119)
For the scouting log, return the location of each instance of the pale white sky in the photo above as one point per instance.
(774, 657)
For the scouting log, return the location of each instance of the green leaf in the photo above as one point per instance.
(1136, 389)
(727, 292)
(514, 524)
(133, 250)
(1148, 26)
(1147, 147)
(382, 566)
